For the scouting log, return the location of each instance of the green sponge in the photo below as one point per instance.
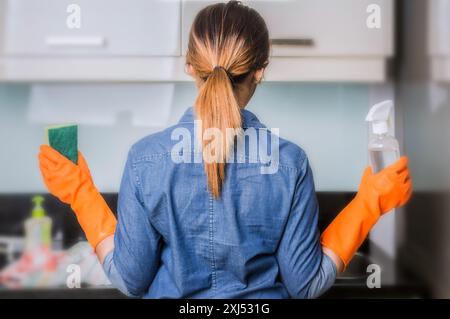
(64, 139)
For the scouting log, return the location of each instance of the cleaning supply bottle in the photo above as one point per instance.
(38, 228)
(383, 147)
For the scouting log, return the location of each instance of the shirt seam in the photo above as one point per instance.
(290, 208)
(211, 247)
(148, 158)
(137, 182)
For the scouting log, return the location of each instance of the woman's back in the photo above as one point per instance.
(243, 244)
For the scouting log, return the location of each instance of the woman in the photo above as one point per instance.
(207, 229)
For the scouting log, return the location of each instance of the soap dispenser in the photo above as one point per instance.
(38, 228)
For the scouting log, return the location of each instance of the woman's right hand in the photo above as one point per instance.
(387, 189)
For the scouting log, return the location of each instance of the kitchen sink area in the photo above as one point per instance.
(395, 282)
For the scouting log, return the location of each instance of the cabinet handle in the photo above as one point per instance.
(304, 42)
(71, 41)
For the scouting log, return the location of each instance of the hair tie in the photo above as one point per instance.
(220, 67)
(230, 77)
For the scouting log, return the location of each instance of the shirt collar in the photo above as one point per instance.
(248, 118)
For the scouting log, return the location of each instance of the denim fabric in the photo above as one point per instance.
(258, 240)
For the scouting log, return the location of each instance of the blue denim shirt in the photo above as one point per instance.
(258, 240)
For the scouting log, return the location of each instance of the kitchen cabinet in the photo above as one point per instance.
(319, 40)
(146, 41)
(319, 28)
(92, 28)
(438, 26)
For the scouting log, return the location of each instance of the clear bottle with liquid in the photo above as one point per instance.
(384, 149)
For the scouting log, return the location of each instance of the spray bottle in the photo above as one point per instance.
(383, 147)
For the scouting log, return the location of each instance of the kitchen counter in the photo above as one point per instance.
(395, 280)
(338, 291)
(62, 293)
(395, 283)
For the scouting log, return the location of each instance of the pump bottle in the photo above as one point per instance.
(38, 227)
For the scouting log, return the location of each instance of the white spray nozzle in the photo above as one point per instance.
(379, 116)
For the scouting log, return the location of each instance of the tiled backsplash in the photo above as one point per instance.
(327, 120)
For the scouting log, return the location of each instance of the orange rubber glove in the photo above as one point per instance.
(73, 185)
(377, 194)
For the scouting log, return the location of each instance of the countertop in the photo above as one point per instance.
(396, 282)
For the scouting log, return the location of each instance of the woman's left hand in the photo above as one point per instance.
(73, 185)
(63, 178)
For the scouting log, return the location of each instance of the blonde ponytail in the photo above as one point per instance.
(216, 107)
(227, 42)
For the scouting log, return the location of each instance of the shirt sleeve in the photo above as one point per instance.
(136, 253)
(113, 275)
(305, 270)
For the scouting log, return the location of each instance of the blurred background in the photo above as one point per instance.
(116, 68)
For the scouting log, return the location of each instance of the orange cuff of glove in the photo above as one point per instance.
(349, 230)
(94, 216)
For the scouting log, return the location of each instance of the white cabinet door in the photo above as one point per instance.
(317, 27)
(438, 27)
(107, 27)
